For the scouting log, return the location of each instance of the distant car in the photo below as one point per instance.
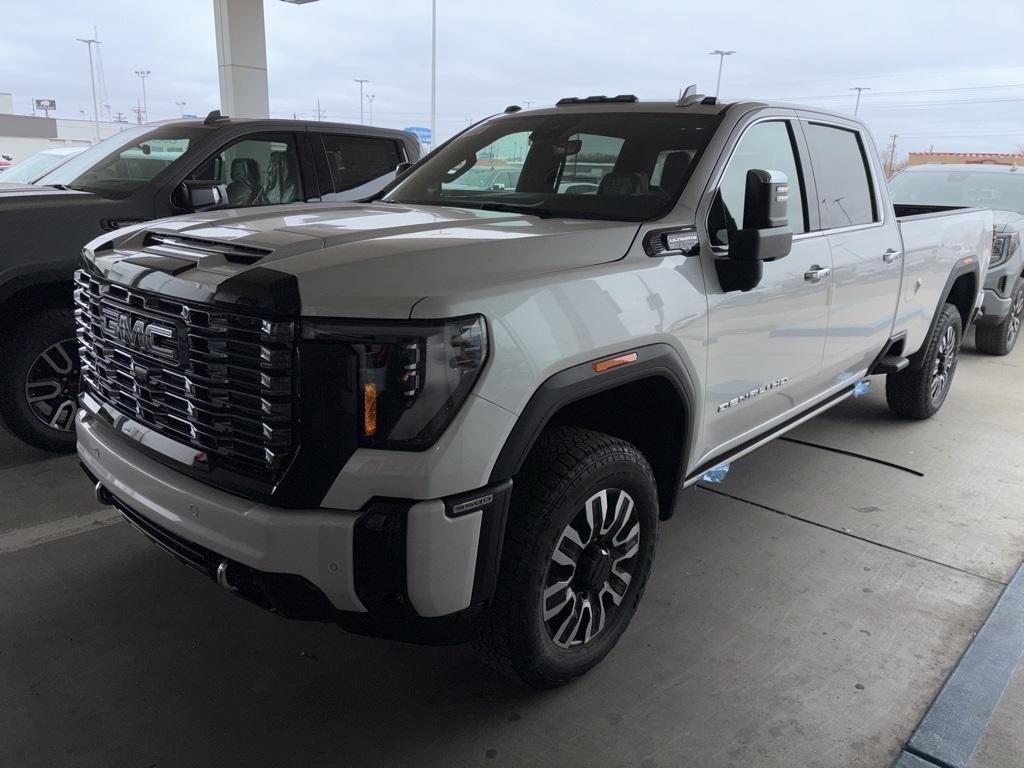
(6, 161)
(495, 177)
(34, 167)
(1001, 188)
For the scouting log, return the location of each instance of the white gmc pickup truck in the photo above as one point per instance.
(460, 412)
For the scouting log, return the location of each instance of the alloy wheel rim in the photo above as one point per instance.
(591, 568)
(51, 386)
(945, 363)
(1016, 317)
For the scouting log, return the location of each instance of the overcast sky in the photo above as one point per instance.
(948, 73)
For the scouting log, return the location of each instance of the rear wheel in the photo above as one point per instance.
(920, 393)
(1001, 338)
(39, 387)
(578, 550)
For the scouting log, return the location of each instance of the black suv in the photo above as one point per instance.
(150, 172)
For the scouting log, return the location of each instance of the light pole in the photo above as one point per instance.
(858, 89)
(721, 60)
(361, 84)
(144, 73)
(92, 79)
(433, 72)
(181, 107)
(369, 98)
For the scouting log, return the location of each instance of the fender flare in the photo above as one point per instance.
(966, 266)
(572, 384)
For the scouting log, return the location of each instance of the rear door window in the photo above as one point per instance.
(845, 192)
(357, 166)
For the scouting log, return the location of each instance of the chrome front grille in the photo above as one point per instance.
(216, 380)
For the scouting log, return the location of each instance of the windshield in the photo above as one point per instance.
(124, 162)
(1002, 191)
(615, 165)
(31, 168)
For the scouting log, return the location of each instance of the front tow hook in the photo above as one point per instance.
(222, 577)
(103, 496)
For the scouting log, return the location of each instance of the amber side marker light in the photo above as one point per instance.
(370, 410)
(614, 362)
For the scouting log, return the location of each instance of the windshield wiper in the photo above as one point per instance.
(63, 187)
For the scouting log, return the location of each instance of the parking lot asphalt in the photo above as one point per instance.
(805, 612)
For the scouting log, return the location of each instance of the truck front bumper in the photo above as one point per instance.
(413, 570)
(995, 307)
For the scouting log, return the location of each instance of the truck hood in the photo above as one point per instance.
(374, 260)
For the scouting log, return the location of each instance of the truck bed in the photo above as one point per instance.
(935, 239)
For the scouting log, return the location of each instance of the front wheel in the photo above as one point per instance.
(1001, 338)
(578, 550)
(39, 385)
(920, 393)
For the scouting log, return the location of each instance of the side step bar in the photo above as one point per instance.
(891, 364)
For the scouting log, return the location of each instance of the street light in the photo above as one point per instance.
(433, 73)
(361, 84)
(858, 89)
(181, 107)
(92, 79)
(370, 97)
(721, 60)
(144, 73)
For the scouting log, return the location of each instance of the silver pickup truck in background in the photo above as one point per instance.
(460, 412)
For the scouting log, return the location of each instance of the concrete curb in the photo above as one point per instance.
(955, 723)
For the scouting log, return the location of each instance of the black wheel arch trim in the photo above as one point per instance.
(969, 266)
(659, 360)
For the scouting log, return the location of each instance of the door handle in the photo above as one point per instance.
(890, 255)
(816, 273)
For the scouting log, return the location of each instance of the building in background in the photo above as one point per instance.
(968, 158)
(24, 135)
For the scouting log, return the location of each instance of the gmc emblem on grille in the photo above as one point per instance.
(150, 337)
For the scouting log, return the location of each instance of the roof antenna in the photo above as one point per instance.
(690, 96)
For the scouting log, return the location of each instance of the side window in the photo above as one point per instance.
(766, 146)
(259, 170)
(358, 165)
(841, 174)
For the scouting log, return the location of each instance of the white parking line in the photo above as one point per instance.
(33, 535)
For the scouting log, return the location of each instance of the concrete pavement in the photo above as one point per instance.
(803, 613)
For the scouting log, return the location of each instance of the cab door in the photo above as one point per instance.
(867, 265)
(765, 346)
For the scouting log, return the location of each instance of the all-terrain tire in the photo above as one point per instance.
(919, 393)
(40, 357)
(1001, 338)
(572, 477)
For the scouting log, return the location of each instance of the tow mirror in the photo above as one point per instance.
(203, 195)
(765, 236)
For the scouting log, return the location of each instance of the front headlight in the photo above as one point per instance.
(1004, 245)
(410, 377)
